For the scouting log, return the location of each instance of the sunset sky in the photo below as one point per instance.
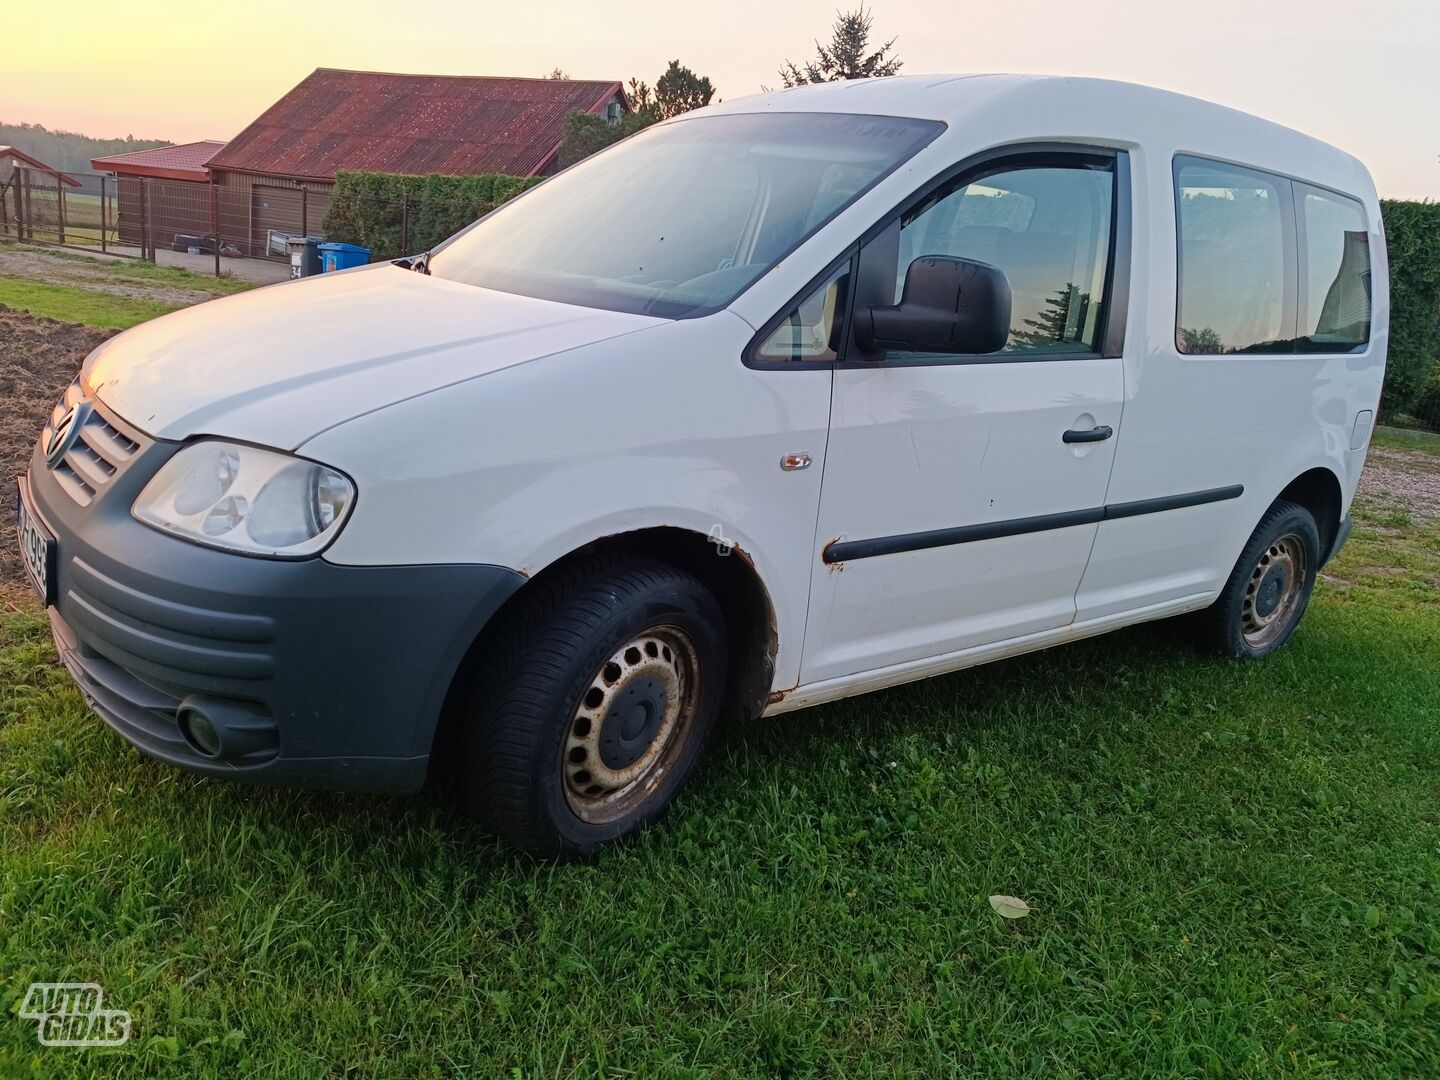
(1365, 76)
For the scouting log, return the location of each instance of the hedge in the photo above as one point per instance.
(1412, 237)
(585, 133)
(396, 215)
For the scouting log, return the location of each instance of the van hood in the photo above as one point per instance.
(278, 365)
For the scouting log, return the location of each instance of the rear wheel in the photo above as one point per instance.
(1270, 587)
(590, 710)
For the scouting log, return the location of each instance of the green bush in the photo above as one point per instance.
(396, 215)
(1412, 237)
(1426, 409)
(586, 133)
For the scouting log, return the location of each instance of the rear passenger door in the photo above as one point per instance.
(1256, 367)
(955, 511)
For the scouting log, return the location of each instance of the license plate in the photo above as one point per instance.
(37, 547)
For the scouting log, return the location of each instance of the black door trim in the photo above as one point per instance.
(842, 550)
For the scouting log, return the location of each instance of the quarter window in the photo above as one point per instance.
(1232, 224)
(812, 329)
(1335, 301)
(1046, 227)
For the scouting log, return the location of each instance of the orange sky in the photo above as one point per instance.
(1364, 76)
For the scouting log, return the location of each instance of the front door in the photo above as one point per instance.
(961, 494)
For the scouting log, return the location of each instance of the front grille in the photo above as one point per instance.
(99, 451)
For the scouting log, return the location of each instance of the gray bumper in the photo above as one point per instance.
(323, 676)
(1341, 535)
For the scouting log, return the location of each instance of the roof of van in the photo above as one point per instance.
(1066, 107)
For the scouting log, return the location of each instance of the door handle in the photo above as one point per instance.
(1098, 433)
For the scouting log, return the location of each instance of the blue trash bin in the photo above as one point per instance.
(342, 256)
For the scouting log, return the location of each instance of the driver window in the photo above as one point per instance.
(1046, 227)
(811, 331)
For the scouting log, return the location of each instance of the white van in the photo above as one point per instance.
(780, 401)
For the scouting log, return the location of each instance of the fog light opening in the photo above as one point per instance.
(199, 732)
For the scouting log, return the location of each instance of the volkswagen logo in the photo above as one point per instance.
(64, 434)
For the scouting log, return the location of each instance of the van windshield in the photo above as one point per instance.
(679, 219)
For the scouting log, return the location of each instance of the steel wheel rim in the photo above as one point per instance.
(655, 677)
(1273, 593)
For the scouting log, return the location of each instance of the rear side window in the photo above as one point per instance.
(1335, 299)
(1232, 237)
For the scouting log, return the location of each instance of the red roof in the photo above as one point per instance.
(414, 124)
(185, 161)
(37, 164)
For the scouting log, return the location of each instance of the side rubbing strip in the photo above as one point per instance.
(1173, 502)
(843, 550)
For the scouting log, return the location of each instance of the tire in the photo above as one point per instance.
(1269, 589)
(589, 711)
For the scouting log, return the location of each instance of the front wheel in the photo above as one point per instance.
(1270, 587)
(591, 707)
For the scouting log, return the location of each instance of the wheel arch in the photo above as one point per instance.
(726, 570)
(1319, 491)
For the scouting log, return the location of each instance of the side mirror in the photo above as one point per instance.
(949, 305)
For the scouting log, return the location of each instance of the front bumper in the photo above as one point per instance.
(330, 676)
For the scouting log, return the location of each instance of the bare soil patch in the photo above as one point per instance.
(94, 275)
(38, 358)
(1407, 480)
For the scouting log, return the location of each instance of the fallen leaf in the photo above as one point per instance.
(1009, 907)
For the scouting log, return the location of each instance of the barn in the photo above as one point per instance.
(276, 177)
(172, 182)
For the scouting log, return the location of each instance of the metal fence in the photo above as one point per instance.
(1421, 414)
(45, 208)
(228, 227)
(200, 226)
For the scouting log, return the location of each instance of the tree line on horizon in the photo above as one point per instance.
(69, 151)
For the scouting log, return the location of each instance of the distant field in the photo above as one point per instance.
(83, 220)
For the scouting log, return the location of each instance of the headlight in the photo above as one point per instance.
(260, 502)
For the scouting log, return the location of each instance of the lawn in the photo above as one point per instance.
(110, 294)
(68, 304)
(123, 272)
(1400, 439)
(1234, 870)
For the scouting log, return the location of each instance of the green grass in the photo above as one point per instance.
(137, 270)
(1398, 439)
(1235, 871)
(145, 272)
(77, 305)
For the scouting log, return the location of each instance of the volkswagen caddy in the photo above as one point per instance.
(779, 401)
